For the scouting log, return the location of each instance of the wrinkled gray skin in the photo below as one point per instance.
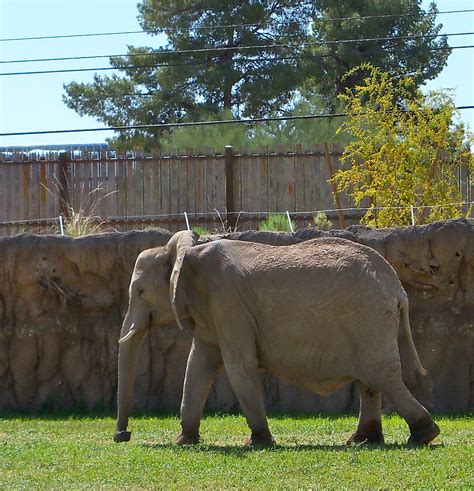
(322, 313)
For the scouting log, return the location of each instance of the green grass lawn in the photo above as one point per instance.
(45, 452)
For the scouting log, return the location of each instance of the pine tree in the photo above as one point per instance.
(250, 82)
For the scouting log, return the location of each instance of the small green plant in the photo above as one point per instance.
(80, 223)
(321, 221)
(201, 230)
(17, 229)
(276, 223)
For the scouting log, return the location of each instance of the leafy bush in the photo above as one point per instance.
(321, 221)
(81, 223)
(200, 230)
(406, 149)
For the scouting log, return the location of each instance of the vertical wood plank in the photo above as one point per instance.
(139, 189)
(9, 186)
(254, 184)
(88, 188)
(112, 187)
(165, 186)
(272, 182)
(263, 169)
(289, 180)
(281, 179)
(200, 183)
(42, 191)
(26, 190)
(121, 183)
(189, 166)
(299, 179)
(182, 187)
(219, 179)
(104, 184)
(148, 185)
(18, 202)
(33, 197)
(51, 189)
(2, 193)
(155, 166)
(131, 173)
(94, 189)
(244, 182)
(210, 172)
(309, 164)
(174, 185)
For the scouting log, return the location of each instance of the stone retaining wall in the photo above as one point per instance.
(62, 301)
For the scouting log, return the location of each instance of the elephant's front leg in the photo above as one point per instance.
(242, 370)
(204, 362)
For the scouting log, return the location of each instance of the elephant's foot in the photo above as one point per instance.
(423, 432)
(122, 436)
(370, 432)
(262, 438)
(187, 438)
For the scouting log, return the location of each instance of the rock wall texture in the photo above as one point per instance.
(62, 301)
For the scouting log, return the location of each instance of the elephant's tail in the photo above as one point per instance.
(414, 374)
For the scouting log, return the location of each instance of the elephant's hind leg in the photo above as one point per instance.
(369, 428)
(204, 362)
(422, 427)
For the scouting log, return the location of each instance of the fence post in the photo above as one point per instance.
(327, 157)
(229, 186)
(63, 184)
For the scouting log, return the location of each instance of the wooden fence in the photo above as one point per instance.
(134, 190)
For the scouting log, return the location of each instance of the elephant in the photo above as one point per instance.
(321, 313)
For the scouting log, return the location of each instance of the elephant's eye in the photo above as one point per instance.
(140, 291)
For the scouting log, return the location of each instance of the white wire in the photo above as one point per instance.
(138, 218)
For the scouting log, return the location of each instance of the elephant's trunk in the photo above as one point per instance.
(127, 366)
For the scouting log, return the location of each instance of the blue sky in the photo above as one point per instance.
(31, 103)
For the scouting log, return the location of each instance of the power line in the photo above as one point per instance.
(194, 123)
(241, 48)
(228, 26)
(229, 62)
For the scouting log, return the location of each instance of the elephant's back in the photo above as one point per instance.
(326, 259)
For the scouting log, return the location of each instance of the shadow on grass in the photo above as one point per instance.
(242, 450)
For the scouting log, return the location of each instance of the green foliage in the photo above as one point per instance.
(321, 221)
(201, 230)
(306, 132)
(18, 229)
(81, 223)
(405, 149)
(203, 83)
(277, 223)
(257, 82)
(214, 136)
(77, 452)
(84, 221)
(424, 57)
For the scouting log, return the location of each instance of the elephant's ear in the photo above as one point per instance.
(176, 248)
